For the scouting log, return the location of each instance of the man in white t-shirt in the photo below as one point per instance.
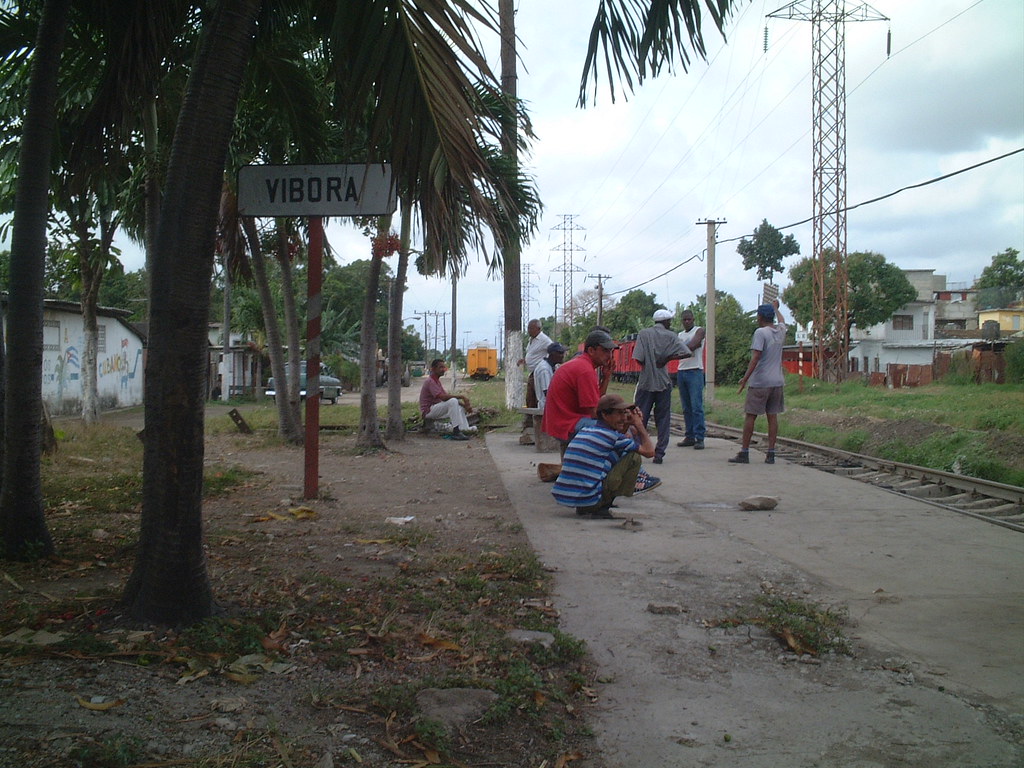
(690, 379)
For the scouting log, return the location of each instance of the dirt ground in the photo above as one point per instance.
(364, 579)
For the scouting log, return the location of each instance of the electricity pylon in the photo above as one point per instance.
(830, 312)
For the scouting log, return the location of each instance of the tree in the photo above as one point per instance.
(634, 311)
(25, 535)
(169, 583)
(1002, 282)
(733, 331)
(766, 250)
(876, 289)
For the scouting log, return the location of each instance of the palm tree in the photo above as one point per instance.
(169, 583)
(25, 534)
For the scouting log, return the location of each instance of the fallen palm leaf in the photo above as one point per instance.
(99, 706)
(303, 513)
(567, 758)
(434, 642)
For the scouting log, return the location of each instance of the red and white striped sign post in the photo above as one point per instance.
(315, 191)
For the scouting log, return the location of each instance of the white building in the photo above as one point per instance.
(908, 337)
(120, 357)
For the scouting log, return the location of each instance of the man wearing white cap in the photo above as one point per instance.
(655, 347)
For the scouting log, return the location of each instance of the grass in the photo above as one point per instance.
(802, 626)
(981, 426)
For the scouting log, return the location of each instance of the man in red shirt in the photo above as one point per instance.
(574, 389)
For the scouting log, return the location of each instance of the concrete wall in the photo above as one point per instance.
(119, 363)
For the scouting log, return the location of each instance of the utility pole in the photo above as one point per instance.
(600, 295)
(528, 275)
(709, 323)
(455, 293)
(426, 346)
(828, 67)
(568, 248)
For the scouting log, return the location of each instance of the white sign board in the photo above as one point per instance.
(316, 190)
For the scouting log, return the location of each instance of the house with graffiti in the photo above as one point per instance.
(119, 360)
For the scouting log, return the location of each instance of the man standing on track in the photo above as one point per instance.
(765, 380)
(691, 383)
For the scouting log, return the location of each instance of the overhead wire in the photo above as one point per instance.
(847, 208)
(794, 144)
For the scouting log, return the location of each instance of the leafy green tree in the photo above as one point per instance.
(877, 289)
(125, 290)
(733, 331)
(766, 250)
(634, 312)
(1002, 282)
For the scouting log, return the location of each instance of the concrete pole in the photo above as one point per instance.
(709, 327)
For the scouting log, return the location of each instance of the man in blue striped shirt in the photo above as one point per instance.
(602, 459)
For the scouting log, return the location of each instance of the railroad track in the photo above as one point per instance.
(995, 503)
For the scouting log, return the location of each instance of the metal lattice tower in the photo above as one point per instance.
(568, 248)
(828, 61)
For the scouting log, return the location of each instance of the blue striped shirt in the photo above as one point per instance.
(588, 459)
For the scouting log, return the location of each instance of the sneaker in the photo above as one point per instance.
(602, 513)
(743, 457)
(698, 445)
(686, 443)
(769, 457)
(457, 436)
(646, 482)
(658, 460)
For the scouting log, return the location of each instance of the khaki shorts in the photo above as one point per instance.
(764, 400)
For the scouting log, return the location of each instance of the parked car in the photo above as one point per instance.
(330, 387)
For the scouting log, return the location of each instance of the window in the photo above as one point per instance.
(101, 339)
(903, 322)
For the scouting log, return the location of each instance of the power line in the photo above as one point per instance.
(848, 208)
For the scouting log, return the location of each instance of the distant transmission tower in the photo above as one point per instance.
(568, 248)
(831, 314)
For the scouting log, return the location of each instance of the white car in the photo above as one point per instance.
(330, 387)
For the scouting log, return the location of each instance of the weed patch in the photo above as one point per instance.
(802, 626)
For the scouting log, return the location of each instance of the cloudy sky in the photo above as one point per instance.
(731, 141)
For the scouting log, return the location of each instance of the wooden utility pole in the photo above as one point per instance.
(709, 324)
(600, 296)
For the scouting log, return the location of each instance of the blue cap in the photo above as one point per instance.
(767, 311)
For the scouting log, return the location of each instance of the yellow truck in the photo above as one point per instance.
(482, 363)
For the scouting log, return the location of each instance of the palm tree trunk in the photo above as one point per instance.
(23, 525)
(369, 429)
(90, 274)
(396, 426)
(288, 425)
(170, 583)
(291, 324)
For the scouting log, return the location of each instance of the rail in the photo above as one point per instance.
(992, 502)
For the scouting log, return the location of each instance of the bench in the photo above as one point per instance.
(542, 442)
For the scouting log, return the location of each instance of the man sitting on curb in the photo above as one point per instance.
(436, 403)
(602, 460)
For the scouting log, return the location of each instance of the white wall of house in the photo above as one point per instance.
(119, 362)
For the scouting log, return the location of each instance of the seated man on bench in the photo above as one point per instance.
(436, 403)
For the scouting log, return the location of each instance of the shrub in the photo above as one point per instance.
(1014, 357)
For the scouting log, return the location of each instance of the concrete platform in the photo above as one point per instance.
(935, 600)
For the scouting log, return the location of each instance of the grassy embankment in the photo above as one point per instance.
(976, 430)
